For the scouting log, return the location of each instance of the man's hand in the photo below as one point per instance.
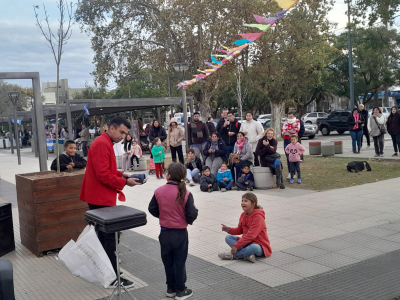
(132, 182)
(69, 167)
(233, 250)
(230, 133)
(226, 123)
(72, 164)
(225, 228)
(126, 175)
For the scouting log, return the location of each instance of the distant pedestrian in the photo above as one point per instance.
(393, 127)
(157, 131)
(85, 137)
(365, 115)
(253, 131)
(174, 140)
(228, 132)
(210, 125)
(356, 122)
(376, 127)
(174, 206)
(294, 150)
(198, 135)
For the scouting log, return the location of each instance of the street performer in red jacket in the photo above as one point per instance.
(102, 182)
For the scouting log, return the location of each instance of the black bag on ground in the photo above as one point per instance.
(358, 166)
(271, 158)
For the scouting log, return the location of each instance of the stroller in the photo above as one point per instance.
(145, 144)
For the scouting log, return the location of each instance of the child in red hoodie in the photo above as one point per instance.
(254, 241)
(294, 150)
(174, 206)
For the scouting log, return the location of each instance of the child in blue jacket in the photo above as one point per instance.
(224, 178)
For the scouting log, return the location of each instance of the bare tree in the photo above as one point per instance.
(56, 41)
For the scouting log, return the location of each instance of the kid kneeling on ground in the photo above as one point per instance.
(208, 181)
(158, 157)
(224, 177)
(254, 241)
(174, 206)
(245, 179)
(294, 150)
(70, 159)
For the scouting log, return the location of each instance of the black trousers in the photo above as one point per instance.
(107, 240)
(174, 251)
(396, 142)
(85, 149)
(205, 188)
(295, 167)
(177, 149)
(256, 160)
(378, 144)
(366, 133)
(134, 157)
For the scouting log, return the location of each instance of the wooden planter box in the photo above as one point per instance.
(50, 212)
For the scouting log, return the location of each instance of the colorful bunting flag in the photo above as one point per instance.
(251, 36)
(286, 4)
(259, 26)
(242, 42)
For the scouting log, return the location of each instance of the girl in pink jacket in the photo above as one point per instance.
(294, 150)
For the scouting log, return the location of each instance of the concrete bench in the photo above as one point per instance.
(328, 149)
(263, 178)
(142, 164)
(314, 148)
(338, 147)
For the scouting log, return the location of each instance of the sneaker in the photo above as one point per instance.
(235, 188)
(301, 161)
(282, 186)
(223, 190)
(161, 177)
(145, 178)
(170, 293)
(126, 283)
(295, 176)
(395, 154)
(137, 165)
(250, 189)
(368, 146)
(209, 190)
(299, 181)
(250, 258)
(291, 181)
(191, 183)
(184, 295)
(225, 255)
(376, 155)
(288, 177)
(187, 180)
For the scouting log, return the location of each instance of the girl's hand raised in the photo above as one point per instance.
(225, 228)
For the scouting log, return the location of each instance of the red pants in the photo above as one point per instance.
(159, 169)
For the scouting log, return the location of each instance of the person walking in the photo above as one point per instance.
(376, 126)
(210, 125)
(85, 137)
(215, 153)
(228, 133)
(102, 182)
(198, 135)
(253, 131)
(290, 127)
(393, 128)
(356, 122)
(174, 140)
(365, 115)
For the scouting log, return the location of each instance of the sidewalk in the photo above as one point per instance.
(338, 244)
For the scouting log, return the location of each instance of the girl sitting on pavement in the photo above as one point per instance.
(254, 241)
(224, 178)
(193, 167)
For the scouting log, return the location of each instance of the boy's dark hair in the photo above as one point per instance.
(118, 121)
(206, 168)
(196, 113)
(244, 166)
(209, 118)
(293, 136)
(177, 172)
(291, 112)
(191, 151)
(224, 163)
(69, 142)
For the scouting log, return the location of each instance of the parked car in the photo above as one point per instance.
(335, 121)
(311, 118)
(385, 110)
(263, 118)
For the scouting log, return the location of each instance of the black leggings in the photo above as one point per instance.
(137, 159)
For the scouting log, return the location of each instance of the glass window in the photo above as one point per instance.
(321, 115)
(344, 114)
(312, 115)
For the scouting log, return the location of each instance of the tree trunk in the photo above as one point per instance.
(277, 112)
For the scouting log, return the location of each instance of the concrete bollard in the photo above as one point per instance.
(263, 178)
(328, 149)
(338, 147)
(314, 148)
(142, 164)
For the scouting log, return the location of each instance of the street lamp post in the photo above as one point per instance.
(14, 96)
(182, 68)
(351, 74)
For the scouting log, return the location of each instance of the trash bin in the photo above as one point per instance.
(263, 178)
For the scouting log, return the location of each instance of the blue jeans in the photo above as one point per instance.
(225, 184)
(356, 138)
(247, 250)
(229, 150)
(276, 163)
(295, 167)
(191, 173)
(285, 143)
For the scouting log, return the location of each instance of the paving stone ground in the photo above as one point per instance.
(339, 244)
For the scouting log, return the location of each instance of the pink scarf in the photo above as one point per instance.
(356, 118)
(240, 144)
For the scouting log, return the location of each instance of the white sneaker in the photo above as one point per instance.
(191, 183)
(288, 177)
(223, 190)
(250, 258)
(225, 255)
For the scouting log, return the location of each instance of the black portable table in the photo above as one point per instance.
(113, 219)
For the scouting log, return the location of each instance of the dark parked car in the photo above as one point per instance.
(335, 121)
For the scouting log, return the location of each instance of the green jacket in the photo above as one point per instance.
(157, 157)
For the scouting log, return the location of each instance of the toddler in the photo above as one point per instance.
(158, 156)
(245, 179)
(294, 151)
(135, 153)
(208, 181)
(224, 177)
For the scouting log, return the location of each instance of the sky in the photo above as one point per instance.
(24, 49)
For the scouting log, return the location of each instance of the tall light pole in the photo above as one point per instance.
(351, 74)
(14, 96)
(182, 68)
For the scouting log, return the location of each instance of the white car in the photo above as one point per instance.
(386, 111)
(311, 118)
(263, 118)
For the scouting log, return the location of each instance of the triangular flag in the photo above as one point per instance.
(286, 4)
(281, 14)
(251, 36)
(220, 50)
(271, 21)
(242, 42)
(214, 60)
(259, 26)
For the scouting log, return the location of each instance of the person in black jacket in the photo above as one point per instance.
(393, 128)
(224, 117)
(301, 133)
(70, 159)
(193, 167)
(228, 133)
(210, 125)
(208, 181)
(214, 153)
(365, 115)
(356, 122)
(157, 131)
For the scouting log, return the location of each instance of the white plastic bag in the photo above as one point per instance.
(87, 259)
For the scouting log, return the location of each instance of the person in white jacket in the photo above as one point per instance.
(253, 131)
(376, 122)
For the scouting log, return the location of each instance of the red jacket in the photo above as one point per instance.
(254, 231)
(290, 129)
(102, 180)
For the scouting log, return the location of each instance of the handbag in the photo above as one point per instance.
(381, 127)
(272, 157)
(234, 158)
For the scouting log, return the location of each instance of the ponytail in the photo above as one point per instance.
(177, 172)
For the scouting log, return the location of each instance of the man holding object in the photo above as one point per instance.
(102, 182)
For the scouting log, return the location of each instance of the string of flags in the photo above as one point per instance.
(263, 24)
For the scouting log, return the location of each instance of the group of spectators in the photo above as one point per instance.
(375, 126)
